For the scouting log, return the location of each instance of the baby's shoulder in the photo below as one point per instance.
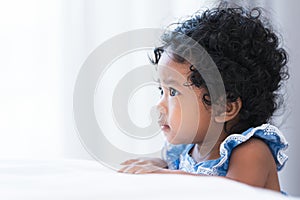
(252, 163)
(259, 143)
(252, 145)
(252, 151)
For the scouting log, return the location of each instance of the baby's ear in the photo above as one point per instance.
(232, 110)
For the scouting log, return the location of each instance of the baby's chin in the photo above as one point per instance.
(171, 140)
(176, 141)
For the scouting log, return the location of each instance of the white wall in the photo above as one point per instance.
(30, 80)
(286, 13)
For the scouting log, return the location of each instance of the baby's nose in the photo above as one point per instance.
(161, 111)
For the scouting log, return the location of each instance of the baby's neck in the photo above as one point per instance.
(210, 150)
(198, 157)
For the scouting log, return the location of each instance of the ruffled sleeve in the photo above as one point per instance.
(271, 135)
(171, 154)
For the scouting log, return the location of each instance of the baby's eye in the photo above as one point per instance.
(161, 90)
(173, 92)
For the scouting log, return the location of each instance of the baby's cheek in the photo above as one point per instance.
(175, 111)
(174, 114)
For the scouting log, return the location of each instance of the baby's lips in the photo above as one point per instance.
(162, 122)
(163, 125)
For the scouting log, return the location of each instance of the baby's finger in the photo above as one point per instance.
(123, 169)
(136, 169)
(145, 169)
(131, 169)
(128, 162)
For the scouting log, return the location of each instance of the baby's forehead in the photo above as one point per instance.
(168, 64)
(173, 74)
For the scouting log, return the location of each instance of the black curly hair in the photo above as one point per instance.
(247, 54)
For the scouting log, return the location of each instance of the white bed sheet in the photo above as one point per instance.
(89, 180)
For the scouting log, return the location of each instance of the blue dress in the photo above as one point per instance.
(178, 158)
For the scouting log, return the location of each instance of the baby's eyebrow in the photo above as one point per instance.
(170, 82)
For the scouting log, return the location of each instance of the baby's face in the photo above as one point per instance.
(184, 118)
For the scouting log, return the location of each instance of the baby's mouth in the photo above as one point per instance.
(164, 126)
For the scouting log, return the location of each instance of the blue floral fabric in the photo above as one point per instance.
(177, 156)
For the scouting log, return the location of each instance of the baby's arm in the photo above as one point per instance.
(149, 165)
(155, 165)
(144, 165)
(252, 163)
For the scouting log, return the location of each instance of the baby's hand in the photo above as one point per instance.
(144, 165)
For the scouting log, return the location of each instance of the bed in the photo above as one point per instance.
(88, 179)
